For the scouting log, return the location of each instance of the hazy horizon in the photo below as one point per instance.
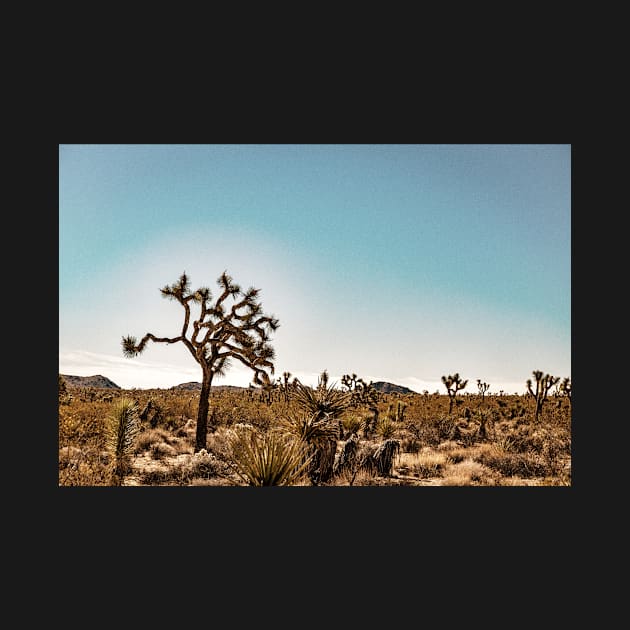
(400, 263)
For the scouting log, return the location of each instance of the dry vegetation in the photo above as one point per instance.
(269, 437)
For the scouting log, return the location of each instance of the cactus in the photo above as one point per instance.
(543, 384)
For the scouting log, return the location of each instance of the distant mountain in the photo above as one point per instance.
(192, 386)
(195, 386)
(89, 381)
(391, 388)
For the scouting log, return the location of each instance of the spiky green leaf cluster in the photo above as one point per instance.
(311, 428)
(122, 427)
(323, 402)
(270, 459)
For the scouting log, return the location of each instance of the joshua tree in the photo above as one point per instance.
(483, 388)
(285, 385)
(453, 384)
(543, 384)
(565, 388)
(321, 407)
(361, 392)
(122, 426)
(219, 334)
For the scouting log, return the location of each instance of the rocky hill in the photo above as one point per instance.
(89, 381)
(195, 386)
(391, 388)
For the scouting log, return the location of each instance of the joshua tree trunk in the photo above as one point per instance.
(202, 412)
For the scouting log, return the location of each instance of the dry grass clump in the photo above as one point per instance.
(160, 450)
(147, 438)
(183, 470)
(220, 443)
(360, 477)
(511, 464)
(448, 445)
(468, 473)
(410, 445)
(212, 481)
(424, 464)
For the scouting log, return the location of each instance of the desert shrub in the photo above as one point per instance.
(427, 464)
(410, 445)
(83, 467)
(359, 477)
(161, 476)
(514, 464)
(160, 450)
(446, 427)
(466, 473)
(146, 439)
(204, 465)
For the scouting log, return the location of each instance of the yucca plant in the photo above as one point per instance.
(320, 434)
(322, 401)
(311, 428)
(122, 427)
(352, 424)
(384, 456)
(385, 427)
(270, 459)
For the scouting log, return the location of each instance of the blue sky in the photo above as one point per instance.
(401, 263)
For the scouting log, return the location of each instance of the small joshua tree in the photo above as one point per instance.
(361, 392)
(453, 384)
(543, 384)
(220, 333)
(286, 385)
(122, 427)
(565, 388)
(483, 389)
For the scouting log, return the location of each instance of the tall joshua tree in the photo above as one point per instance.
(544, 382)
(453, 383)
(219, 334)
